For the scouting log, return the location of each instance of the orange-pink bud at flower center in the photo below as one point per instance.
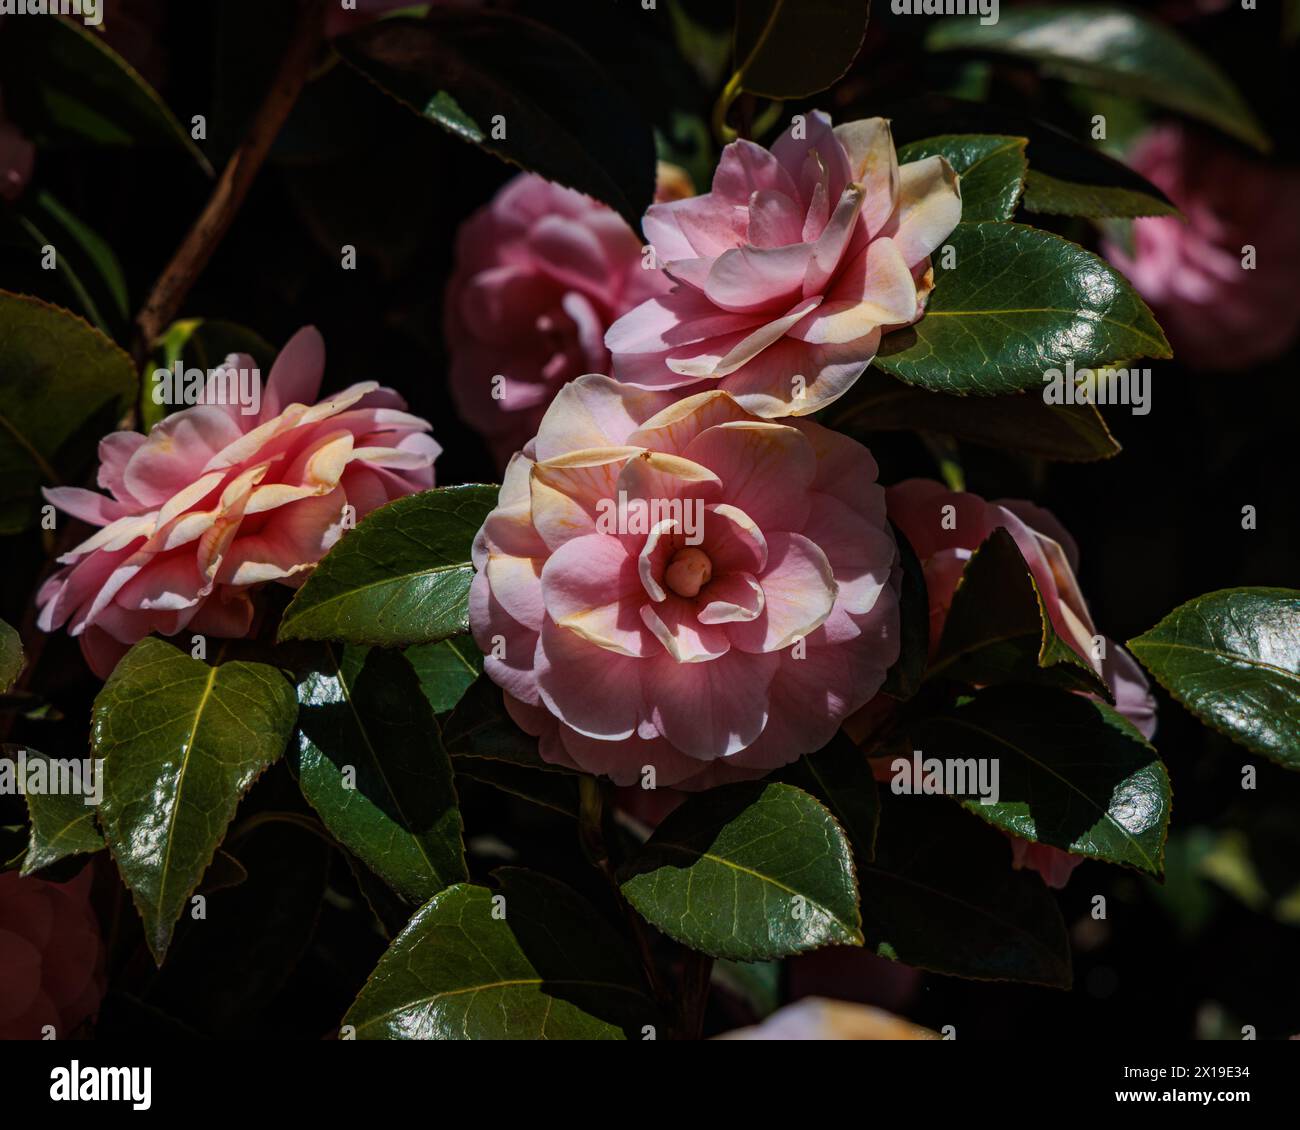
(689, 571)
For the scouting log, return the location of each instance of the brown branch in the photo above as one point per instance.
(236, 178)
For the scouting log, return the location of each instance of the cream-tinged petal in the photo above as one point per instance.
(876, 289)
(766, 469)
(592, 689)
(753, 344)
(594, 411)
(591, 586)
(798, 593)
(709, 710)
(797, 378)
(671, 429)
(929, 207)
(733, 540)
(730, 598)
(676, 626)
(873, 163)
(569, 493)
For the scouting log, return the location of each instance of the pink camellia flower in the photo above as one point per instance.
(218, 500)
(51, 957)
(682, 585)
(1218, 313)
(541, 273)
(916, 507)
(17, 158)
(791, 269)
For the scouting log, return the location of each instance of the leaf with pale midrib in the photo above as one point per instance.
(1072, 773)
(400, 815)
(748, 871)
(401, 577)
(62, 825)
(1232, 658)
(540, 964)
(1017, 303)
(181, 742)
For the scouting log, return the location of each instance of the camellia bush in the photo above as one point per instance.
(608, 520)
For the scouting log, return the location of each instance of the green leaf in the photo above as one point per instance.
(749, 871)
(557, 792)
(905, 676)
(181, 742)
(787, 49)
(11, 657)
(401, 577)
(479, 727)
(62, 825)
(1232, 658)
(1072, 772)
(75, 88)
(397, 811)
(998, 629)
(446, 670)
(1067, 433)
(839, 776)
(941, 895)
(1051, 195)
(538, 964)
(87, 275)
(473, 71)
(1116, 49)
(1018, 302)
(65, 385)
(992, 170)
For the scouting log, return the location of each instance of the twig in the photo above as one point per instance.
(236, 178)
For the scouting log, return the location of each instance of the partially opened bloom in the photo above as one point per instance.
(916, 506)
(791, 269)
(682, 585)
(216, 501)
(1220, 309)
(541, 273)
(51, 957)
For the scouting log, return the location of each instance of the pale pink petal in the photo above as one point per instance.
(798, 593)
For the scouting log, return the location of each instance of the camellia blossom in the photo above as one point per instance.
(1218, 312)
(679, 584)
(790, 271)
(541, 273)
(216, 501)
(916, 507)
(51, 957)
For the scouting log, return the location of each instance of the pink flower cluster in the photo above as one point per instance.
(215, 502)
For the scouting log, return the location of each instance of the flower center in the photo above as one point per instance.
(688, 571)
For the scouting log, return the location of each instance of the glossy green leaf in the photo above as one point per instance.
(992, 170)
(1018, 302)
(1072, 772)
(795, 48)
(76, 88)
(998, 629)
(749, 871)
(1117, 49)
(534, 961)
(1232, 658)
(181, 742)
(371, 763)
(11, 657)
(1053, 196)
(446, 670)
(480, 727)
(401, 577)
(941, 895)
(65, 385)
(1067, 433)
(839, 776)
(62, 824)
(480, 74)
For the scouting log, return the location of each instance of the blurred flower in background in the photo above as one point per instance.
(1218, 312)
(51, 957)
(17, 158)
